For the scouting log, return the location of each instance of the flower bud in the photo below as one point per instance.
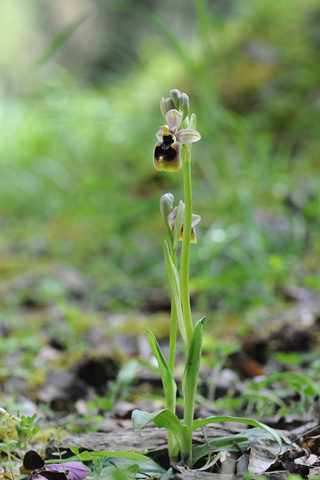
(175, 95)
(166, 204)
(184, 105)
(168, 104)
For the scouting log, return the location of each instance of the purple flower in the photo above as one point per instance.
(167, 151)
(72, 470)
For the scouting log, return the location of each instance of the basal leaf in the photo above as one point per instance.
(248, 421)
(164, 419)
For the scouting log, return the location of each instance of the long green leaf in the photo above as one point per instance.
(191, 371)
(248, 421)
(87, 456)
(169, 385)
(164, 419)
(175, 287)
(231, 443)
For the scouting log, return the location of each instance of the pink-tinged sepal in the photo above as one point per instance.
(187, 136)
(195, 220)
(174, 120)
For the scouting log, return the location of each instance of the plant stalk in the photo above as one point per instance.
(185, 252)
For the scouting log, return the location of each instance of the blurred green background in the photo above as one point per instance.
(80, 89)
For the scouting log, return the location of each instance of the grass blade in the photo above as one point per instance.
(60, 39)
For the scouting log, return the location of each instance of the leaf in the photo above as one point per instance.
(265, 394)
(175, 287)
(129, 461)
(164, 419)
(248, 421)
(89, 456)
(191, 372)
(168, 474)
(228, 443)
(169, 384)
(263, 454)
(124, 468)
(147, 466)
(296, 378)
(60, 39)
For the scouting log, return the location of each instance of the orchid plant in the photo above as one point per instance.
(173, 152)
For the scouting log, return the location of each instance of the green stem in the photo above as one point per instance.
(172, 443)
(185, 292)
(185, 252)
(172, 447)
(188, 421)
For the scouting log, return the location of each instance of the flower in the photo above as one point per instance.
(167, 150)
(63, 471)
(70, 471)
(195, 220)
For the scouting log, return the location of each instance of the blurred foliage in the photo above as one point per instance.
(79, 111)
